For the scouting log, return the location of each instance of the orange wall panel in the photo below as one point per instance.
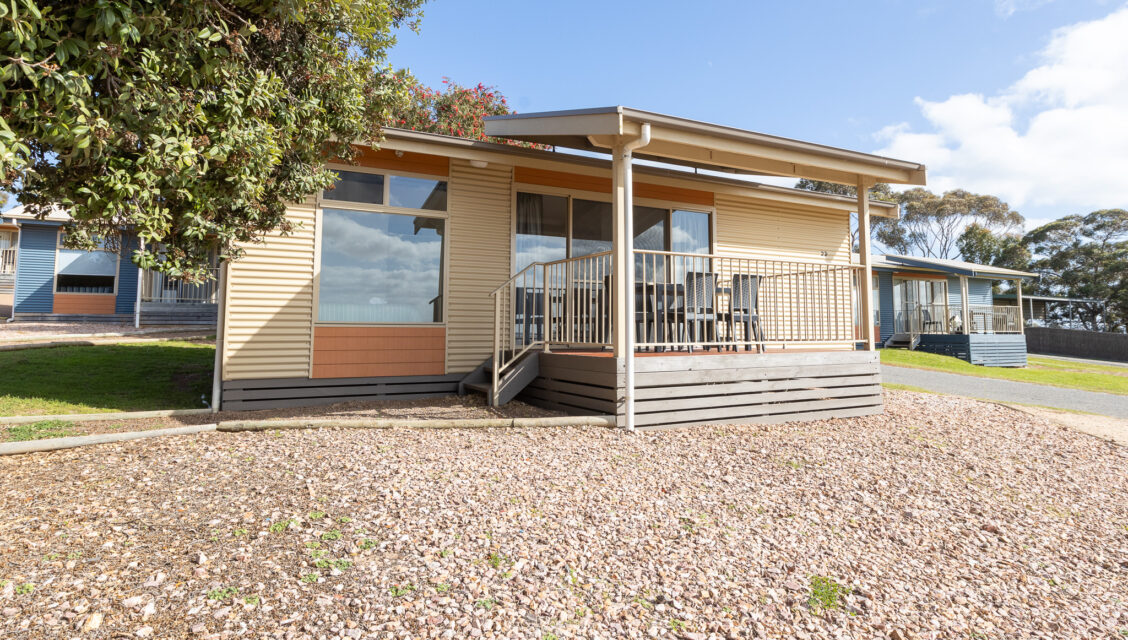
(565, 180)
(92, 303)
(361, 352)
(411, 162)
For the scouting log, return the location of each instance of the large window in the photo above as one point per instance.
(380, 264)
(85, 271)
(543, 229)
(380, 267)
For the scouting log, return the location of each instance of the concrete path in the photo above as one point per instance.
(1106, 404)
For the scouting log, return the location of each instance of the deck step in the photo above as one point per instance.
(480, 387)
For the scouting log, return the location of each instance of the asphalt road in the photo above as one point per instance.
(1106, 404)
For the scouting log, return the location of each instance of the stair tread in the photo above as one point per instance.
(483, 387)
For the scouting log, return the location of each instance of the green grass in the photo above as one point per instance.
(39, 430)
(101, 378)
(1040, 371)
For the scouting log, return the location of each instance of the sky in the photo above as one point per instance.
(1023, 99)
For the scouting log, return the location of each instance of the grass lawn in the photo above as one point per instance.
(101, 378)
(1055, 373)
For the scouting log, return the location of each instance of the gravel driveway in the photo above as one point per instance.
(1107, 404)
(943, 518)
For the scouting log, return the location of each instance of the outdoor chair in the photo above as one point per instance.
(647, 329)
(744, 312)
(696, 317)
(928, 322)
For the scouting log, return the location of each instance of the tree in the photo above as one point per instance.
(192, 122)
(454, 111)
(980, 245)
(1086, 257)
(879, 191)
(931, 225)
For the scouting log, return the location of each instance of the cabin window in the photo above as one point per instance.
(542, 229)
(380, 267)
(356, 186)
(85, 271)
(551, 227)
(405, 192)
(417, 193)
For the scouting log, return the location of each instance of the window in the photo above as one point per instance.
(85, 271)
(417, 193)
(354, 186)
(543, 224)
(380, 267)
(404, 192)
(542, 229)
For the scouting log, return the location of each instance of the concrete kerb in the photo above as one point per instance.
(54, 344)
(97, 417)
(237, 426)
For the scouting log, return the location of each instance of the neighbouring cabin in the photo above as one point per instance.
(52, 283)
(438, 265)
(948, 307)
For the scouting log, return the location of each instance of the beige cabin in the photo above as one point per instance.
(439, 265)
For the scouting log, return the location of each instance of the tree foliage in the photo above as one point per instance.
(1085, 257)
(193, 122)
(931, 225)
(454, 110)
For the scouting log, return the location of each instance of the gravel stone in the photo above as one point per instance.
(942, 518)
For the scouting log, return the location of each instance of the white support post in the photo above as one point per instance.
(137, 302)
(866, 285)
(1018, 299)
(966, 311)
(622, 244)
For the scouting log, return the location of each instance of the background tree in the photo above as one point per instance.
(931, 225)
(980, 245)
(454, 110)
(1085, 257)
(191, 121)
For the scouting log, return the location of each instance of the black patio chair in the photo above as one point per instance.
(696, 316)
(928, 322)
(744, 311)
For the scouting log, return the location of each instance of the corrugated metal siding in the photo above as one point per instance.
(35, 269)
(268, 326)
(979, 291)
(127, 276)
(760, 229)
(885, 303)
(480, 230)
(955, 298)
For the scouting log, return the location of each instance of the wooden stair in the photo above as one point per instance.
(516, 377)
(908, 341)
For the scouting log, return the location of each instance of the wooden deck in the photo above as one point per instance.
(681, 389)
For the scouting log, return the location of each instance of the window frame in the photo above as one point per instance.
(323, 203)
(55, 271)
(597, 196)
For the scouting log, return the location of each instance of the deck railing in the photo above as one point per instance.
(158, 287)
(942, 318)
(683, 301)
(7, 261)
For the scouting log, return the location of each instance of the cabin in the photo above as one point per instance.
(629, 266)
(49, 283)
(948, 307)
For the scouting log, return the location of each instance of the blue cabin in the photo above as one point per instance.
(947, 307)
(41, 280)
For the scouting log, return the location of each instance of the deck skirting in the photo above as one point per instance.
(279, 393)
(683, 390)
(986, 349)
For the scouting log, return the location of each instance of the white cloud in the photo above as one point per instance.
(1057, 138)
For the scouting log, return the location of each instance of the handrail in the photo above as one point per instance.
(504, 358)
(8, 260)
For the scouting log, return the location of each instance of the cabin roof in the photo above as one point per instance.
(955, 267)
(703, 145)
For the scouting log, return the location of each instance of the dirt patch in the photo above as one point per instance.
(1107, 427)
(942, 518)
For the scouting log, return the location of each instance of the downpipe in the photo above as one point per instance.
(628, 188)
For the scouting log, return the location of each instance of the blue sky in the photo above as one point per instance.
(924, 78)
